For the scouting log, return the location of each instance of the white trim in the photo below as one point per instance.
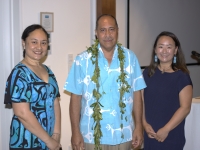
(10, 23)
(93, 20)
(5, 67)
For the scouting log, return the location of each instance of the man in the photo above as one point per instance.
(105, 83)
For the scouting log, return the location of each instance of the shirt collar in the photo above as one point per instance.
(115, 55)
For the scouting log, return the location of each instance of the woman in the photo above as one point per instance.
(167, 98)
(32, 90)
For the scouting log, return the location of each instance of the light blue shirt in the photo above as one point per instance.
(79, 82)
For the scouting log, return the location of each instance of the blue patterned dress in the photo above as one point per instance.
(23, 85)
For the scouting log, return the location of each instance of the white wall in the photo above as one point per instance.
(194, 74)
(121, 16)
(149, 18)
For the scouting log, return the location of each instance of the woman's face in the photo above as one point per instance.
(165, 49)
(36, 45)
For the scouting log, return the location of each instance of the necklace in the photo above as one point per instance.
(163, 70)
(124, 87)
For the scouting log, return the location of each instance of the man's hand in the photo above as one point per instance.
(77, 141)
(137, 138)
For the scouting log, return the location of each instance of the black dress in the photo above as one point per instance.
(161, 99)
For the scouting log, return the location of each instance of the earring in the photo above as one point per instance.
(174, 60)
(23, 45)
(156, 58)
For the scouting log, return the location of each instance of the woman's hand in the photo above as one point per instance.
(52, 144)
(149, 130)
(162, 134)
(56, 136)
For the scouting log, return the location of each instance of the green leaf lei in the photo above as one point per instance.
(124, 87)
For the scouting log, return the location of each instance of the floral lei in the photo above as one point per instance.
(124, 87)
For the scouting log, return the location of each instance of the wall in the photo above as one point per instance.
(149, 18)
(194, 74)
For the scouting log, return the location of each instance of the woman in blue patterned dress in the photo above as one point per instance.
(168, 96)
(33, 92)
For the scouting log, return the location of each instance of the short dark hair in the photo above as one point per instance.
(103, 16)
(30, 29)
(180, 64)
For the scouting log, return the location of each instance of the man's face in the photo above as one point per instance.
(107, 33)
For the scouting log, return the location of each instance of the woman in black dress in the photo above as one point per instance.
(168, 96)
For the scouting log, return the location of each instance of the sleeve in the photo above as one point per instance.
(58, 93)
(184, 80)
(138, 82)
(55, 83)
(74, 81)
(17, 87)
(145, 72)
